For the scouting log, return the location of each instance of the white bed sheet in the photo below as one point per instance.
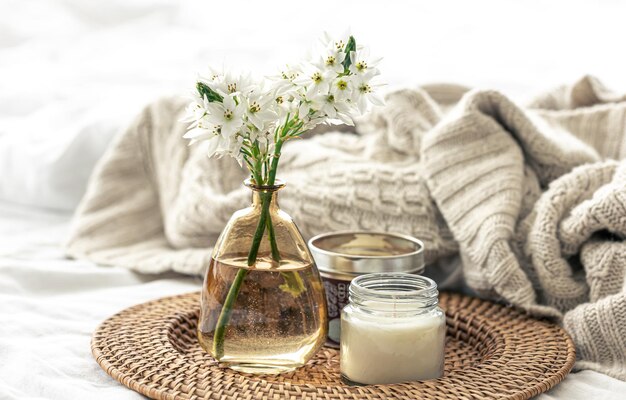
(49, 306)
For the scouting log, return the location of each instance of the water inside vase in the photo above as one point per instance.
(277, 322)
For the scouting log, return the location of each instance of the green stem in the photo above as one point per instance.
(265, 205)
(227, 310)
(266, 198)
(272, 176)
(271, 235)
(264, 222)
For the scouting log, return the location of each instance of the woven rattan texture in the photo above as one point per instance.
(492, 352)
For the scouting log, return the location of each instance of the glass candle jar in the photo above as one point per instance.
(342, 256)
(392, 330)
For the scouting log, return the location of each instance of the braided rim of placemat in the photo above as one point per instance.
(492, 352)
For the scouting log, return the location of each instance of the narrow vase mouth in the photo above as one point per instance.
(279, 184)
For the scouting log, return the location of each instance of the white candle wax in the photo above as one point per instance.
(392, 348)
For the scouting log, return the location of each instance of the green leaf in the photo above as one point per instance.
(293, 283)
(210, 94)
(350, 46)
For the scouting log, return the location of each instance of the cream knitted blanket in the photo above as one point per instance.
(533, 199)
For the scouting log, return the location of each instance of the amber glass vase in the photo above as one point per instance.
(263, 306)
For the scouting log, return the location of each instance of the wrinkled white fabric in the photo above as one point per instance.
(49, 307)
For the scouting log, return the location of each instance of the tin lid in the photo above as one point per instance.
(363, 252)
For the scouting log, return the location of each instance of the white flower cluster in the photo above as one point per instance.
(250, 120)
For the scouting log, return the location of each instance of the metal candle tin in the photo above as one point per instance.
(342, 256)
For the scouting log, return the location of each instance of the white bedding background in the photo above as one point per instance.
(73, 73)
(49, 306)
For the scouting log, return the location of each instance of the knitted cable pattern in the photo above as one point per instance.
(532, 199)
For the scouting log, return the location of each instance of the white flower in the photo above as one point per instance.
(361, 63)
(258, 109)
(332, 61)
(240, 84)
(313, 122)
(210, 135)
(212, 77)
(227, 114)
(341, 88)
(327, 105)
(228, 82)
(284, 82)
(233, 115)
(364, 92)
(315, 80)
(195, 110)
(309, 106)
(233, 148)
(285, 104)
(265, 141)
(336, 43)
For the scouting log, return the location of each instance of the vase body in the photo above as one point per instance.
(272, 307)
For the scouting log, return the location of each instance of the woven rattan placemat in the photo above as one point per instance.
(492, 352)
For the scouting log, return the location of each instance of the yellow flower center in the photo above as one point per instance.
(331, 60)
(342, 85)
(232, 87)
(228, 115)
(365, 88)
(289, 76)
(317, 77)
(255, 107)
(361, 66)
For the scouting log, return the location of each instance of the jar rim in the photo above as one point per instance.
(362, 281)
(278, 184)
(372, 291)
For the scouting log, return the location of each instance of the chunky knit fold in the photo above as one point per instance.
(532, 199)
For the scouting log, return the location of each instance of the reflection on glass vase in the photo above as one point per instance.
(263, 306)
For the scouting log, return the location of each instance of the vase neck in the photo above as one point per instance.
(265, 193)
(258, 196)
